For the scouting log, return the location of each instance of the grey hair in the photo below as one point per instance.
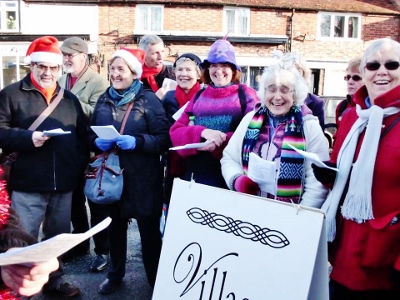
(182, 59)
(289, 76)
(377, 46)
(354, 64)
(149, 40)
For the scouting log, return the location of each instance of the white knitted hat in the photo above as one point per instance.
(133, 57)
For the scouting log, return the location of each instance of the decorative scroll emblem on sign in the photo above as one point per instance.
(245, 230)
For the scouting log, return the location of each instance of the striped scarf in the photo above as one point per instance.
(291, 169)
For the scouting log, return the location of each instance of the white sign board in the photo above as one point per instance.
(220, 244)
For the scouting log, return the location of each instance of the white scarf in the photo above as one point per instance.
(357, 205)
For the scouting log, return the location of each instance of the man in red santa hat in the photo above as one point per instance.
(47, 167)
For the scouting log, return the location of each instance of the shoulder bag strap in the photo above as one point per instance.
(385, 132)
(242, 98)
(49, 109)
(128, 110)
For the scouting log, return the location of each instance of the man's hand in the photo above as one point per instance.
(38, 139)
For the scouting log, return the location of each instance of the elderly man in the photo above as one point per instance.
(154, 70)
(48, 166)
(87, 85)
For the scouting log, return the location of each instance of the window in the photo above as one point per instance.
(149, 18)
(339, 26)
(237, 21)
(9, 16)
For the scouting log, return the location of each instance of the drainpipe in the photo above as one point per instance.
(291, 30)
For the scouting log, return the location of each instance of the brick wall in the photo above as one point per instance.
(117, 24)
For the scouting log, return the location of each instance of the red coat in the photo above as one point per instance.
(365, 255)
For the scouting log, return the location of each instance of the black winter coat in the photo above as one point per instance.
(58, 164)
(143, 175)
(171, 106)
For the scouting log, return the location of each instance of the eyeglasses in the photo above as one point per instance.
(69, 56)
(390, 65)
(44, 68)
(354, 77)
(283, 90)
(118, 71)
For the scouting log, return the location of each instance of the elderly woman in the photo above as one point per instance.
(281, 120)
(214, 112)
(187, 73)
(354, 81)
(365, 252)
(144, 139)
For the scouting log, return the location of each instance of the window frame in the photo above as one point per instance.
(138, 26)
(333, 15)
(4, 10)
(225, 20)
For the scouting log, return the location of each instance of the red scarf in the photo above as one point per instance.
(182, 98)
(149, 73)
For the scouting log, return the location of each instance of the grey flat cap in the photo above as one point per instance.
(74, 45)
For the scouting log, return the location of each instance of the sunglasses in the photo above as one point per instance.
(354, 77)
(390, 65)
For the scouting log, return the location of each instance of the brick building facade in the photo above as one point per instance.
(256, 29)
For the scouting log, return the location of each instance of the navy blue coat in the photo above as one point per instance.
(143, 175)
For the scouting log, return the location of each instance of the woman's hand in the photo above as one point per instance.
(38, 139)
(103, 144)
(244, 184)
(126, 142)
(216, 136)
(28, 280)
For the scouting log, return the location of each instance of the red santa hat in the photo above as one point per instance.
(44, 49)
(133, 57)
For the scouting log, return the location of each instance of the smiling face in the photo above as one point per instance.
(186, 73)
(120, 74)
(278, 98)
(221, 74)
(45, 74)
(381, 80)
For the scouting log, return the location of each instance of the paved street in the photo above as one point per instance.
(135, 286)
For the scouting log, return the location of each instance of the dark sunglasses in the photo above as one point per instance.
(390, 65)
(354, 77)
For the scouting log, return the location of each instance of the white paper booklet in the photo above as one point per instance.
(107, 132)
(191, 146)
(262, 172)
(178, 114)
(313, 158)
(50, 248)
(55, 132)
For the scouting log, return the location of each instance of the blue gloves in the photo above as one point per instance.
(126, 142)
(103, 144)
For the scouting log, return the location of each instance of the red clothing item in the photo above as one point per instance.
(342, 108)
(149, 73)
(364, 256)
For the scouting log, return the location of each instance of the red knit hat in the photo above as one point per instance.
(133, 57)
(44, 49)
